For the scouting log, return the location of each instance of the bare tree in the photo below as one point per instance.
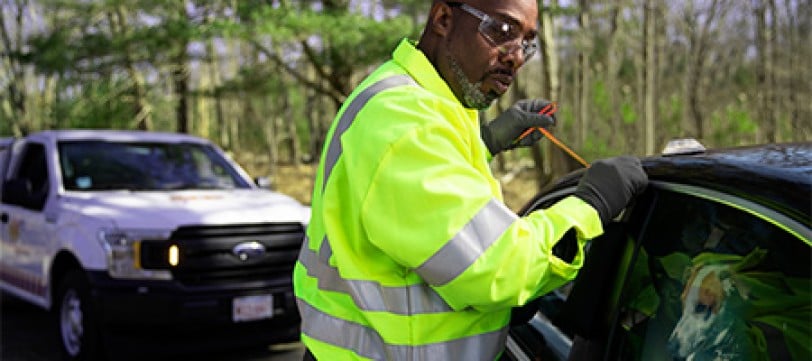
(763, 78)
(13, 107)
(612, 65)
(582, 93)
(180, 77)
(798, 70)
(142, 110)
(650, 69)
(214, 82)
(553, 162)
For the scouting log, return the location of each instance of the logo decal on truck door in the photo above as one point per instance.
(14, 229)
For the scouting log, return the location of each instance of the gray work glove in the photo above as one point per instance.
(609, 184)
(501, 133)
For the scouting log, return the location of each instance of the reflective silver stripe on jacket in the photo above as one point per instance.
(335, 150)
(449, 262)
(467, 245)
(368, 343)
(371, 295)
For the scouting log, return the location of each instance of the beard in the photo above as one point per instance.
(472, 96)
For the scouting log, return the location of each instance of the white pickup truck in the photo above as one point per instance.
(129, 236)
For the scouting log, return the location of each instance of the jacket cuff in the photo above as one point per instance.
(585, 219)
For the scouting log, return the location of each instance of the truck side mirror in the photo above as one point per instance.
(263, 182)
(17, 191)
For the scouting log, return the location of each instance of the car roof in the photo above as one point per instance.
(778, 176)
(118, 136)
(775, 175)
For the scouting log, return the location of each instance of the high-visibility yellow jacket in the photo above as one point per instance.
(411, 253)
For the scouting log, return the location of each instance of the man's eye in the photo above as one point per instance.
(502, 31)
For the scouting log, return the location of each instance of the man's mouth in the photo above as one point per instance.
(500, 81)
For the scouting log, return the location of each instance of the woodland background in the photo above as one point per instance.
(263, 78)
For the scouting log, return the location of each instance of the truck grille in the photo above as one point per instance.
(207, 253)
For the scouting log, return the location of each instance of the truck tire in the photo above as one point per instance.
(76, 320)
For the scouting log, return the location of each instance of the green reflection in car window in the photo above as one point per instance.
(714, 283)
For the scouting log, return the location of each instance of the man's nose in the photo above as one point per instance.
(513, 53)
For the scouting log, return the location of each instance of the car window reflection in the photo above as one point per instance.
(714, 283)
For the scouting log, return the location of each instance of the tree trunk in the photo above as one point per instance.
(612, 65)
(552, 162)
(313, 107)
(180, 76)
(223, 129)
(14, 108)
(799, 92)
(650, 56)
(689, 84)
(774, 107)
(584, 67)
(762, 93)
(269, 130)
(142, 110)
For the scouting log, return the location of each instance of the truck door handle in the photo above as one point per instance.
(4, 217)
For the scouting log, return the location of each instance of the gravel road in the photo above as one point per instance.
(26, 335)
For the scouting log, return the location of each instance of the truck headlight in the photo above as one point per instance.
(124, 254)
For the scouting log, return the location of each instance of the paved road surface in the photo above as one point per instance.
(25, 335)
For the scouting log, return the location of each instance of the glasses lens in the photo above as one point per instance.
(497, 31)
(529, 48)
(500, 33)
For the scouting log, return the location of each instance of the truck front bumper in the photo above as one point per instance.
(191, 316)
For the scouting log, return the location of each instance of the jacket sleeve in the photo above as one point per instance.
(433, 209)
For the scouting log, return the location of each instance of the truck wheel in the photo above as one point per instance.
(76, 321)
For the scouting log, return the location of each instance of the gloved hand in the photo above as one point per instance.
(501, 133)
(610, 184)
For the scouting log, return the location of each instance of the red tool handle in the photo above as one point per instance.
(550, 109)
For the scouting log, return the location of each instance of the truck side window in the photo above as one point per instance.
(29, 188)
(714, 282)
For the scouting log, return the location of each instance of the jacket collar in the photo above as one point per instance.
(411, 59)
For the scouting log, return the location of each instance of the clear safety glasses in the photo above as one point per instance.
(508, 38)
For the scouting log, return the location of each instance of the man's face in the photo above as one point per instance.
(479, 68)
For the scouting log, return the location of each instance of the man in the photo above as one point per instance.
(411, 253)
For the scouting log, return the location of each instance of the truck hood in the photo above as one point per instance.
(169, 210)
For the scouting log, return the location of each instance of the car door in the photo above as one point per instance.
(28, 227)
(583, 307)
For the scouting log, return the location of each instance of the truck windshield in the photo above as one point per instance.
(102, 165)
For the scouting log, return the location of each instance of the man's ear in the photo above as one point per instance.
(441, 18)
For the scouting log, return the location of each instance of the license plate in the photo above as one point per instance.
(250, 308)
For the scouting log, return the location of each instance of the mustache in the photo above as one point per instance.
(502, 71)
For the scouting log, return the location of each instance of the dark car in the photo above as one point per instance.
(711, 262)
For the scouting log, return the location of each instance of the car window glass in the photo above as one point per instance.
(712, 282)
(27, 186)
(96, 165)
(34, 168)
